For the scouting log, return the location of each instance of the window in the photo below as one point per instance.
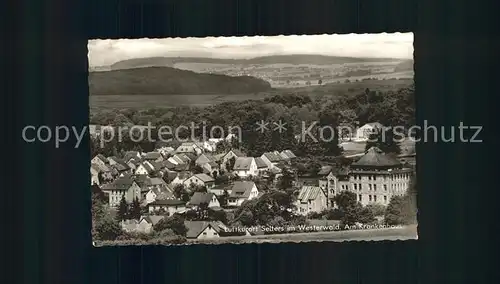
(369, 177)
(355, 186)
(360, 197)
(374, 178)
(375, 187)
(359, 185)
(204, 233)
(385, 187)
(375, 198)
(369, 187)
(385, 198)
(369, 198)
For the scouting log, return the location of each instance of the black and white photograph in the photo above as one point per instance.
(302, 138)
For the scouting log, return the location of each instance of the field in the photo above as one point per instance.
(169, 101)
(165, 101)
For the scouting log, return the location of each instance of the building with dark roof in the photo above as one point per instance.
(245, 166)
(199, 198)
(122, 186)
(374, 178)
(203, 229)
(242, 191)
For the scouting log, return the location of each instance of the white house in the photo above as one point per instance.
(202, 229)
(271, 159)
(311, 199)
(363, 133)
(242, 191)
(99, 159)
(144, 169)
(180, 178)
(122, 186)
(233, 153)
(245, 167)
(170, 206)
(199, 180)
(159, 194)
(199, 198)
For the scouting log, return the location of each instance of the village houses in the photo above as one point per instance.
(242, 191)
(199, 180)
(170, 206)
(245, 167)
(199, 198)
(122, 186)
(311, 199)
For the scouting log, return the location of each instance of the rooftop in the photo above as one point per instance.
(375, 157)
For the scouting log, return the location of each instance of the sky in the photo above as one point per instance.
(384, 45)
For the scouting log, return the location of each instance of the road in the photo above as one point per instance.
(399, 233)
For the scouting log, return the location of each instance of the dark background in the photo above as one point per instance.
(47, 202)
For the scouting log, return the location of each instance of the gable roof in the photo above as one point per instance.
(287, 153)
(195, 228)
(309, 193)
(152, 156)
(130, 155)
(148, 167)
(260, 163)
(167, 164)
(236, 152)
(272, 157)
(375, 157)
(121, 183)
(183, 175)
(204, 177)
(152, 219)
(242, 163)
(121, 166)
(201, 197)
(241, 189)
(101, 157)
(168, 202)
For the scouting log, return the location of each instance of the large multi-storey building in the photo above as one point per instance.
(374, 178)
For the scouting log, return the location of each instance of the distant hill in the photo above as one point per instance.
(406, 65)
(274, 59)
(166, 80)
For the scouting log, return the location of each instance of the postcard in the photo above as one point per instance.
(252, 139)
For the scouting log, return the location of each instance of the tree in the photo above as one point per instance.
(395, 213)
(174, 222)
(286, 179)
(214, 175)
(376, 209)
(348, 206)
(108, 229)
(179, 191)
(122, 213)
(384, 140)
(223, 198)
(135, 209)
(230, 164)
(402, 210)
(320, 82)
